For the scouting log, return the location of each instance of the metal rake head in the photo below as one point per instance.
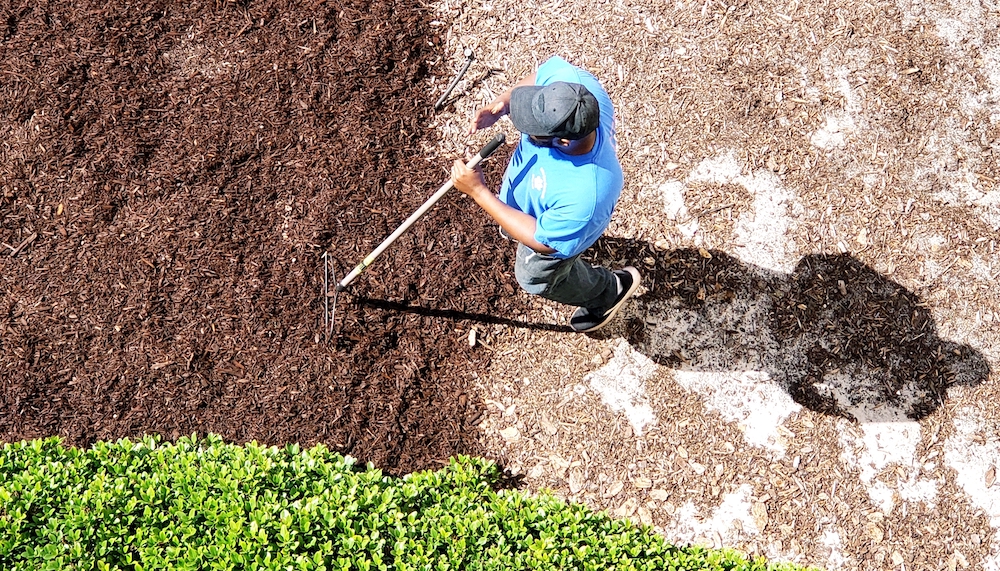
(329, 309)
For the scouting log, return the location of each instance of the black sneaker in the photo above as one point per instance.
(585, 321)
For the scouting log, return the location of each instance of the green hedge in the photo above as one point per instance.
(205, 504)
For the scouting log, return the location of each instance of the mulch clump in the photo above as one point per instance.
(170, 176)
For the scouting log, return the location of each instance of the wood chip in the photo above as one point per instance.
(876, 517)
(537, 471)
(627, 508)
(23, 244)
(613, 489)
(759, 513)
(511, 434)
(548, 427)
(875, 532)
(559, 462)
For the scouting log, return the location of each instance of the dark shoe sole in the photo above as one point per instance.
(610, 314)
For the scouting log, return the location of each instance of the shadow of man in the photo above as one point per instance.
(839, 337)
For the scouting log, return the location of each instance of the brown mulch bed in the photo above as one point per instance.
(170, 176)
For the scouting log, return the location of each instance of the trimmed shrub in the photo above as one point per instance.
(204, 504)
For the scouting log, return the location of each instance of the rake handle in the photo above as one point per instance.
(486, 151)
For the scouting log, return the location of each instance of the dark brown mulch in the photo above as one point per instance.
(174, 173)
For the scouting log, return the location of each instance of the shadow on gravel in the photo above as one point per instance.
(841, 338)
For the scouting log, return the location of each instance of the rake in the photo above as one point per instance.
(486, 151)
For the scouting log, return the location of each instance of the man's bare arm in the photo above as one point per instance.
(486, 116)
(519, 225)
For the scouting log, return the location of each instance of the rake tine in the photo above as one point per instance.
(329, 309)
(326, 295)
(333, 313)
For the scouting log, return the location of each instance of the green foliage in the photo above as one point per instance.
(204, 504)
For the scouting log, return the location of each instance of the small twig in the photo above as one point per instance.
(712, 210)
(23, 244)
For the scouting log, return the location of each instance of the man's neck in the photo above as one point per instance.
(580, 146)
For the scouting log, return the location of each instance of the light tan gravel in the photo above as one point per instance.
(764, 144)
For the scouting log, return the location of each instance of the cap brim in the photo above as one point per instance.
(521, 114)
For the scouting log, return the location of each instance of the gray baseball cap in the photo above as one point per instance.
(559, 109)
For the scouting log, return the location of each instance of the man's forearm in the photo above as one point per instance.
(519, 225)
(527, 80)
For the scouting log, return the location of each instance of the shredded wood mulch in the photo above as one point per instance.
(170, 177)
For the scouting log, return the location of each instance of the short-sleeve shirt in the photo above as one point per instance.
(571, 197)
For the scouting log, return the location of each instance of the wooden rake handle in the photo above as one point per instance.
(486, 151)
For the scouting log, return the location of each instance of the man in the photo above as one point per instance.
(559, 190)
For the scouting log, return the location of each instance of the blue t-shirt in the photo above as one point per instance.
(571, 197)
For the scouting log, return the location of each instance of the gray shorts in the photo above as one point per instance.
(570, 280)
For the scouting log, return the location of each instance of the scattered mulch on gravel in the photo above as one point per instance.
(170, 177)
